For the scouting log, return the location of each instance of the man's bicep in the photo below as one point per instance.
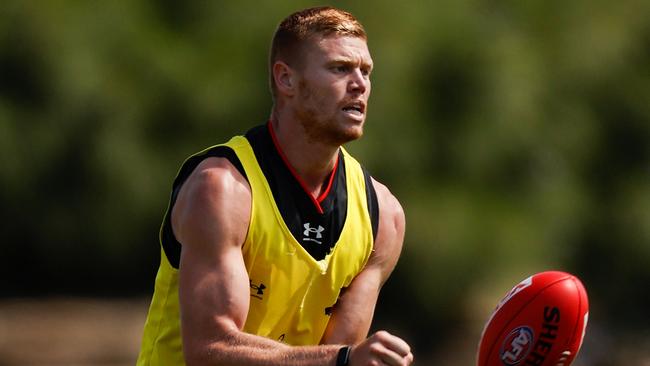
(213, 293)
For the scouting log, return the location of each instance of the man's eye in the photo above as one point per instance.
(341, 69)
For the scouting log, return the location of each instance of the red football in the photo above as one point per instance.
(540, 322)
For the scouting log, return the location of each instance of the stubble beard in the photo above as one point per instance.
(319, 128)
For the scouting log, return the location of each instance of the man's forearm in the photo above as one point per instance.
(243, 349)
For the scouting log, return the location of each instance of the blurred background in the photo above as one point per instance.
(515, 133)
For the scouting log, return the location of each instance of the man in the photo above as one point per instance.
(276, 244)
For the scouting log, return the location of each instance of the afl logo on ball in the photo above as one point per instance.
(517, 345)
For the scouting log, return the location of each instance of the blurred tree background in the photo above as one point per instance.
(515, 133)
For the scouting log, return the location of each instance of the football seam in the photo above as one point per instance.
(575, 327)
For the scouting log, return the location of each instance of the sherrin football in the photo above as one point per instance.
(540, 322)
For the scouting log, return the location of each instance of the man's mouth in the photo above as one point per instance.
(355, 108)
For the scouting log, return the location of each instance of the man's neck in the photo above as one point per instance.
(313, 161)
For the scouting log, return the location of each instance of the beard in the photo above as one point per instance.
(319, 126)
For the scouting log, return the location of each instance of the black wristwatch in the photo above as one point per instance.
(343, 357)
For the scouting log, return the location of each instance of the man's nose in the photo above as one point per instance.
(358, 82)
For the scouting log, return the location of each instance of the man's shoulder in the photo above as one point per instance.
(214, 194)
(389, 205)
(390, 236)
(215, 174)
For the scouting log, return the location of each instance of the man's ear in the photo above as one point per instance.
(284, 78)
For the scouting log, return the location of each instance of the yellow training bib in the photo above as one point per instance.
(291, 292)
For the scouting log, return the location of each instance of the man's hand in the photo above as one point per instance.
(381, 348)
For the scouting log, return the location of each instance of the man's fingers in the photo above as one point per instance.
(393, 359)
(382, 349)
(391, 350)
(385, 355)
(393, 343)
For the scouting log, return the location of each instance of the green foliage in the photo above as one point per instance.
(516, 135)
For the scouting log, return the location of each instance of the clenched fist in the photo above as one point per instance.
(380, 349)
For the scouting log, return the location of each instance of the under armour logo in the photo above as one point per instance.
(312, 230)
(258, 290)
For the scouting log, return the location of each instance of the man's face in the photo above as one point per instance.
(333, 89)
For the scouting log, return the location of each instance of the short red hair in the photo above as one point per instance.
(300, 27)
